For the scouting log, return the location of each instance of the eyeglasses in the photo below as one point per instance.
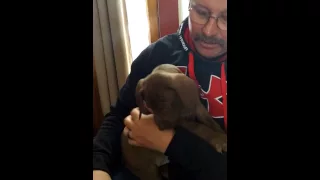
(202, 15)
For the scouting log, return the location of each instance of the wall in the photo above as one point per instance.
(138, 26)
(183, 9)
(170, 15)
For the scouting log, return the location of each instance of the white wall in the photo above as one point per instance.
(138, 26)
(183, 9)
(138, 23)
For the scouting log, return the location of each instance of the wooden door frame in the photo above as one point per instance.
(152, 9)
(163, 18)
(97, 110)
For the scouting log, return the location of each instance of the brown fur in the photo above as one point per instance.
(174, 100)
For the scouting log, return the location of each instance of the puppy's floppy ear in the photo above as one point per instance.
(188, 93)
(140, 97)
(168, 113)
(180, 102)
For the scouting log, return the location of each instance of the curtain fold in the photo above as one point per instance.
(111, 49)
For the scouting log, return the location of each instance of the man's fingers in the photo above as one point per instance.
(128, 122)
(100, 175)
(125, 131)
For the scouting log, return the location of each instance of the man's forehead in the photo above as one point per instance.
(218, 6)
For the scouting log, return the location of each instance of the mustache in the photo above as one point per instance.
(209, 40)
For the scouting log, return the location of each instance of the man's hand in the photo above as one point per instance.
(145, 133)
(100, 175)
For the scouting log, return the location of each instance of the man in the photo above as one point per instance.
(199, 49)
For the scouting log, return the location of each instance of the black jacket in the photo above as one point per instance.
(190, 157)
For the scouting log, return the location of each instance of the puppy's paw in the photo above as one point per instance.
(220, 144)
(218, 148)
(224, 147)
(221, 148)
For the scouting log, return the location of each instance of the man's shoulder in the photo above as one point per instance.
(168, 42)
(169, 39)
(166, 49)
(164, 45)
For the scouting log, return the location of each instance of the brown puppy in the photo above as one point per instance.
(173, 98)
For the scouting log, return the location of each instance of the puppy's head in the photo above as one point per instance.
(140, 93)
(170, 96)
(167, 68)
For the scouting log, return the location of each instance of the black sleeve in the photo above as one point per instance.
(201, 162)
(106, 144)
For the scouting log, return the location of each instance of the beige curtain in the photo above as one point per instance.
(111, 48)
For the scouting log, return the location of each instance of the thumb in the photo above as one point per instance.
(135, 112)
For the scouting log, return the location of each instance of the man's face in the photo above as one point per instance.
(209, 34)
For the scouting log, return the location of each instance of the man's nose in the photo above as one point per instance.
(210, 28)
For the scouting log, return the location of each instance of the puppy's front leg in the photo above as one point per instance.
(152, 173)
